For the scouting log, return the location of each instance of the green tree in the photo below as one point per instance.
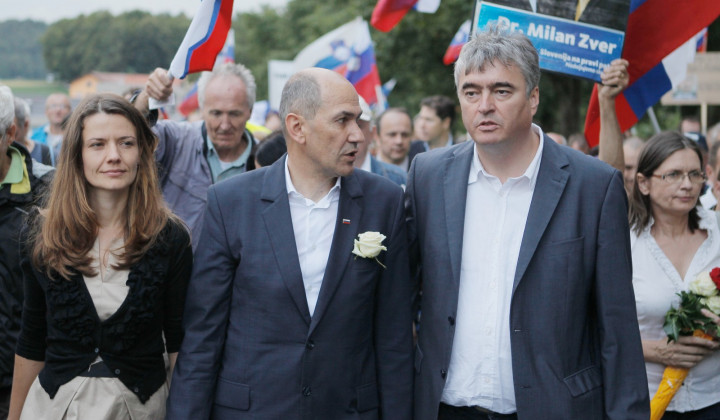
(132, 42)
(20, 49)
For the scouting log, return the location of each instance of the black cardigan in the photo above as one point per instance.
(61, 327)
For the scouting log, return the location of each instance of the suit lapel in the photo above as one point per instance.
(278, 223)
(457, 169)
(551, 181)
(349, 207)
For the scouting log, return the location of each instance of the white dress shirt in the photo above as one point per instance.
(314, 227)
(656, 282)
(480, 371)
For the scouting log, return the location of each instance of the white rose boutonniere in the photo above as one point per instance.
(369, 245)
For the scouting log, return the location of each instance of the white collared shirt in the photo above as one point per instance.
(314, 226)
(656, 283)
(480, 371)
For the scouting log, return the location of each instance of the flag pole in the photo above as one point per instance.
(653, 119)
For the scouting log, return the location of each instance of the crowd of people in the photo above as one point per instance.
(350, 266)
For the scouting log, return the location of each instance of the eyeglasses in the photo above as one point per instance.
(674, 177)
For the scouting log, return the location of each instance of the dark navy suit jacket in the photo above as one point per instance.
(251, 349)
(575, 342)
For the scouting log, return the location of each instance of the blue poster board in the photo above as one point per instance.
(564, 46)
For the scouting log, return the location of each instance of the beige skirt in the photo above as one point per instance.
(92, 399)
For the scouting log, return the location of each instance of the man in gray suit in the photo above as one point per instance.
(299, 307)
(527, 308)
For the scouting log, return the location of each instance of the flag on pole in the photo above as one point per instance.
(227, 55)
(460, 38)
(347, 50)
(660, 40)
(388, 13)
(204, 39)
(702, 40)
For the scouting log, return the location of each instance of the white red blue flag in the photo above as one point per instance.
(702, 40)
(227, 55)
(460, 39)
(204, 39)
(347, 50)
(660, 40)
(387, 13)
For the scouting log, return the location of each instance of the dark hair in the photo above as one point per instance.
(655, 152)
(443, 106)
(271, 149)
(63, 237)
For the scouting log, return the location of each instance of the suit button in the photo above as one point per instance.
(306, 391)
(443, 373)
(117, 371)
(451, 320)
(310, 344)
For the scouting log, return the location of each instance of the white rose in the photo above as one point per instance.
(369, 245)
(703, 285)
(713, 303)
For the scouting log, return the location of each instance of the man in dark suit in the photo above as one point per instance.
(611, 14)
(288, 316)
(527, 308)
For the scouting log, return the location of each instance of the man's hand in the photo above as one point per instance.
(159, 85)
(615, 79)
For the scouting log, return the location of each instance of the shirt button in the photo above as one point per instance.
(306, 391)
(488, 331)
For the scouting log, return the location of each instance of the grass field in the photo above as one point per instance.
(23, 87)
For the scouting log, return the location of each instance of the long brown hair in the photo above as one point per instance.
(656, 151)
(66, 231)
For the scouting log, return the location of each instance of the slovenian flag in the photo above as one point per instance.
(702, 40)
(204, 39)
(460, 39)
(388, 13)
(227, 55)
(660, 40)
(347, 50)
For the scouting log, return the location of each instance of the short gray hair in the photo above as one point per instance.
(229, 69)
(7, 109)
(497, 43)
(301, 95)
(22, 111)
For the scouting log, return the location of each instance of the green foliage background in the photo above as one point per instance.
(411, 53)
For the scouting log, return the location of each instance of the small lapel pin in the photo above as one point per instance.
(346, 221)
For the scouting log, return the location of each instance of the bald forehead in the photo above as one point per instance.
(57, 98)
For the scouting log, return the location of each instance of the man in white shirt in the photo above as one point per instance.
(299, 303)
(527, 306)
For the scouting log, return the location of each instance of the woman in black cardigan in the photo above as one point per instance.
(106, 267)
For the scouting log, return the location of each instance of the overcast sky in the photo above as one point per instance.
(52, 10)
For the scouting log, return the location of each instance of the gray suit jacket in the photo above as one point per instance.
(251, 349)
(575, 343)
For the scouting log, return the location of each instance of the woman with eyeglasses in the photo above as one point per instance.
(673, 239)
